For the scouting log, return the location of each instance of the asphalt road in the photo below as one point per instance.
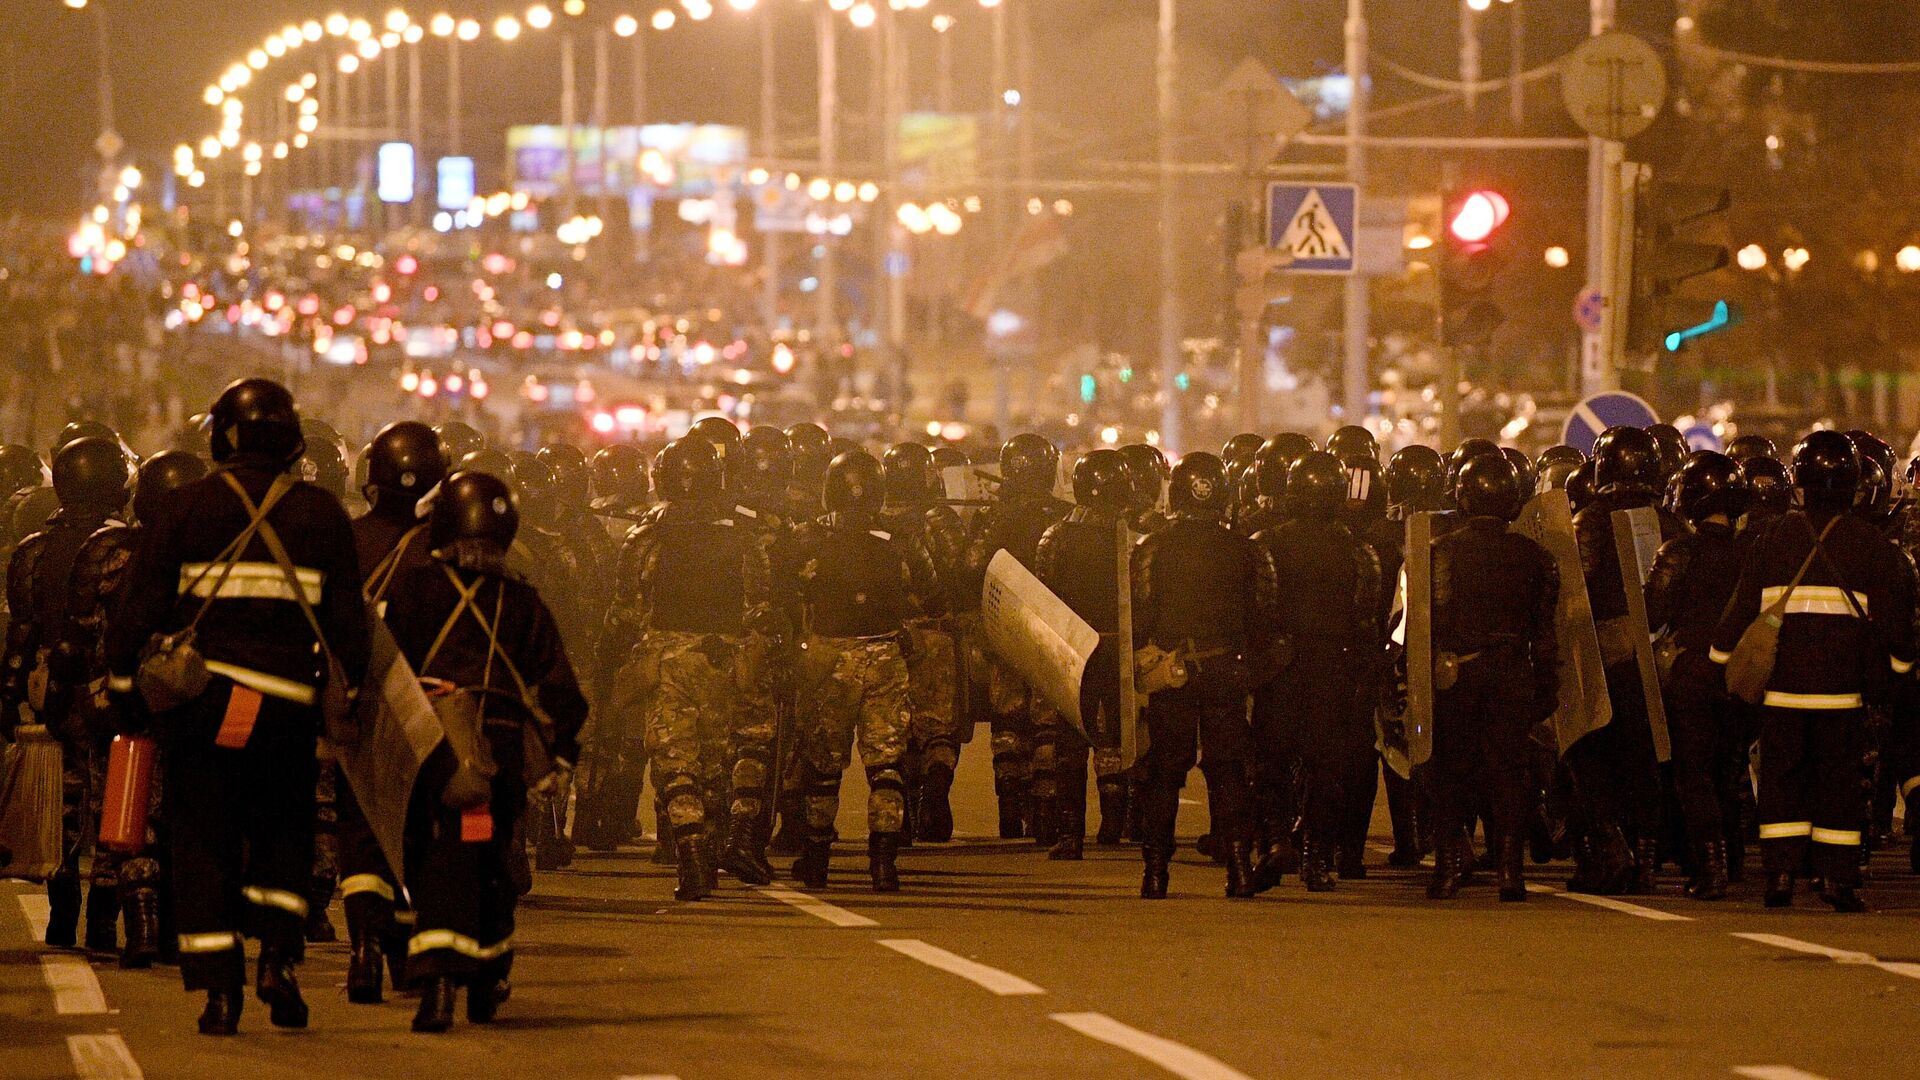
(994, 962)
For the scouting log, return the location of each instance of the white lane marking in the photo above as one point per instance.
(102, 1057)
(1775, 1072)
(1611, 904)
(37, 909)
(1182, 1061)
(649, 1076)
(1839, 956)
(991, 979)
(76, 991)
(816, 907)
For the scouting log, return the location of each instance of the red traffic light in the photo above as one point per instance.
(1478, 217)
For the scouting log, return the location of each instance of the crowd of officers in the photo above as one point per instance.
(745, 611)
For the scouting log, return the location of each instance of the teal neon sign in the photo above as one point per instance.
(1722, 318)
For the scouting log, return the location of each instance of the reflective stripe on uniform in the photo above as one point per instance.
(405, 918)
(276, 898)
(1719, 657)
(1785, 830)
(249, 581)
(1900, 667)
(428, 940)
(1836, 837)
(208, 943)
(273, 686)
(120, 684)
(1780, 699)
(1906, 789)
(1813, 600)
(366, 883)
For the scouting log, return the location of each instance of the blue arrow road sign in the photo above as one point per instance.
(1313, 227)
(1596, 414)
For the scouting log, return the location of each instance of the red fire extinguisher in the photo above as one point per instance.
(123, 818)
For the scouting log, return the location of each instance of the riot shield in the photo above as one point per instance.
(1418, 632)
(1036, 634)
(1584, 706)
(1132, 731)
(1636, 539)
(400, 729)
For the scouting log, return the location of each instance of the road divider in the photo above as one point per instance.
(1636, 910)
(1839, 956)
(1180, 1060)
(816, 907)
(102, 1057)
(76, 991)
(991, 979)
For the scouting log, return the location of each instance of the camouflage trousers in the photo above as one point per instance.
(326, 828)
(710, 725)
(83, 782)
(863, 698)
(933, 692)
(1015, 708)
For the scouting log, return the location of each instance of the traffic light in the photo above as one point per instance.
(1663, 259)
(1471, 260)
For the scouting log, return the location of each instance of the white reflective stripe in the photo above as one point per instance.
(405, 918)
(1785, 830)
(249, 581)
(1780, 699)
(428, 940)
(1836, 837)
(366, 883)
(1900, 667)
(279, 898)
(1719, 657)
(273, 686)
(120, 684)
(879, 533)
(208, 943)
(1906, 789)
(1813, 600)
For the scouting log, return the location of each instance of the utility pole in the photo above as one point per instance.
(826, 311)
(1517, 17)
(1604, 158)
(1357, 376)
(889, 201)
(1166, 71)
(389, 214)
(569, 122)
(416, 213)
(602, 46)
(769, 150)
(1003, 199)
(453, 95)
(1469, 55)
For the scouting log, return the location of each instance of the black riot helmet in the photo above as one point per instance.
(909, 476)
(1147, 470)
(1751, 446)
(855, 484)
(1366, 489)
(1711, 483)
(256, 417)
(1028, 465)
(473, 506)
(1558, 454)
(1672, 446)
(1581, 490)
(1826, 471)
(1557, 473)
(1199, 489)
(1627, 461)
(725, 438)
(1417, 479)
(1270, 468)
(83, 429)
(1772, 487)
(91, 474)
(159, 476)
(1466, 451)
(460, 439)
(1238, 453)
(766, 456)
(323, 465)
(571, 479)
(810, 442)
(620, 473)
(1874, 499)
(20, 469)
(1294, 445)
(1522, 468)
(1488, 486)
(539, 491)
(196, 436)
(1317, 487)
(1100, 482)
(492, 462)
(949, 457)
(688, 468)
(1353, 441)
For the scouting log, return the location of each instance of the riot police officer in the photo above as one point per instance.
(1494, 593)
(1147, 472)
(255, 561)
(812, 452)
(1209, 597)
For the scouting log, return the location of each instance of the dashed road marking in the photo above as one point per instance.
(102, 1057)
(991, 979)
(1838, 956)
(1775, 1072)
(1182, 1061)
(816, 907)
(76, 991)
(1611, 904)
(37, 909)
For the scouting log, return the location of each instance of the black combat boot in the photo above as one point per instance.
(791, 837)
(883, 850)
(222, 1014)
(63, 910)
(1512, 875)
(1316, 866)
(1449, 866)
(1353, 864)
(935, 820)
(140, 906)
(1132, 829)
(1013, 807)
(277, 989)
(1043, 819)
(742, 858)
(488, 990)
(365, 965)
(693, 860)
(436, 1005)
(1153, 883)
(1113, 811)
(1070, 844)
(1843, 899)
(103, 919)
(1240, 879)
(320, 929)
(1779, 889)
(816, 856)
(1710, 872)
(1646, 862)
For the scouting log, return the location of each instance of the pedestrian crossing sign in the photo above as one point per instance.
(1312, 227)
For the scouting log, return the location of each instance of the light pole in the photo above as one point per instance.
(1166, 70)
(1003, 201)
(770, 150)
(826, 300)
(109, 144)
(1356, 376)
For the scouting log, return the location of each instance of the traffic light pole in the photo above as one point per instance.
(1599, 362)
(1356, 377)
